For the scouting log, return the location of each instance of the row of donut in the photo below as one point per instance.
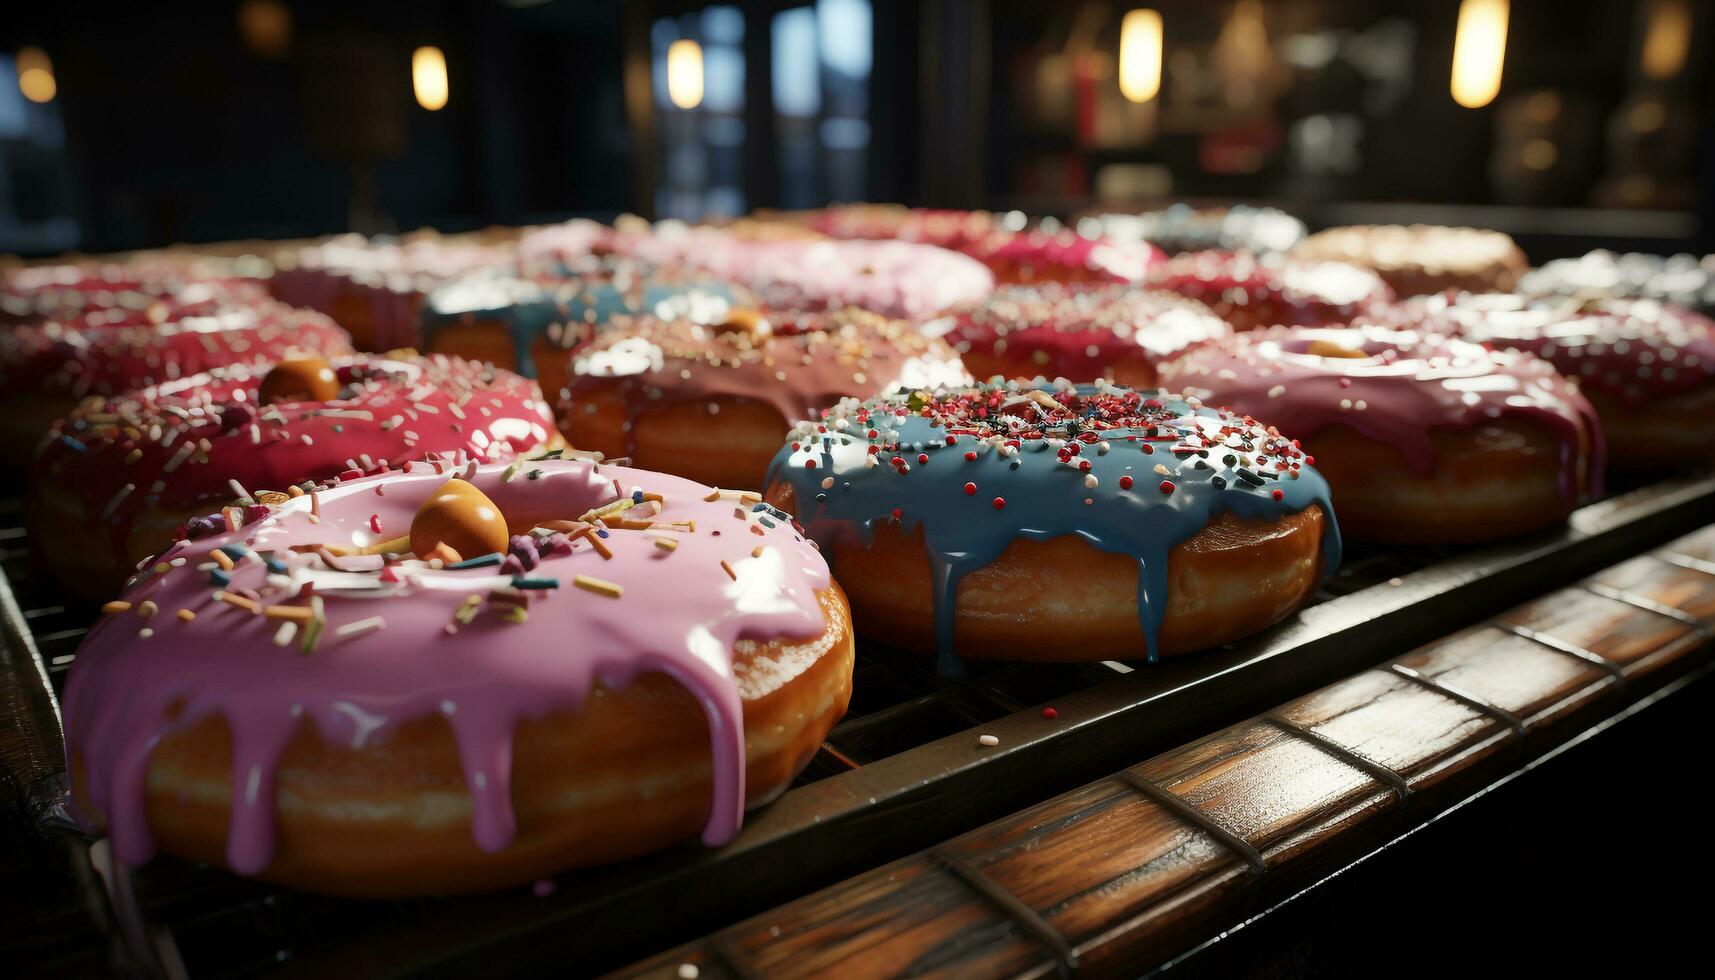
(445, 661)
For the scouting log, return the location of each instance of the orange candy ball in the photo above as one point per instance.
(460, 517)
(300, 379)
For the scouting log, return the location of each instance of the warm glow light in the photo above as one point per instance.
(1140, 55)
(265, 27)
(685, 74)
(1667, 38)
(429, 78)
(36, 75)
(1479, 50)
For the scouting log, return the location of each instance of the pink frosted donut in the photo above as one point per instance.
(1422, 438)
(1250, 291)
(121, 474)
(45, 369)
(1079, 332)
(620, 658)
(1647, 366)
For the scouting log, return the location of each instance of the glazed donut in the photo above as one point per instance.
(338, 713)
(1182, 228)
(1422, 438)
(1119, 333)
(528, 324)
(1057, 523)
(1647, 367)
(1251, 291)
(114, 295)
(1415, 260)
(712, 403)
(46, 369)
(122, 474)
(1684, 280)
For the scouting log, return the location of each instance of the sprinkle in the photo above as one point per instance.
(1125, 483)
(666, 544)
(147, 608)
(299, 613)
(239, 491)
(725, 567)
(361, 626)
(1166, 486)
(284, 635)
(590, 583)
(970, 489)
(467, 610)
(1000, 503)
(185, 615)
(480, 561)
(145, 633)
(375, 523)
(520, 582)
(222, 559)
(1050, 713)
(116, 606)
(1278, 494)
(988, 740)
(237, 600)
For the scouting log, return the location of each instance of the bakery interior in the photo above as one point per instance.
(1229, 487)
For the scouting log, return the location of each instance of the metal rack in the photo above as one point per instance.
(900, 772)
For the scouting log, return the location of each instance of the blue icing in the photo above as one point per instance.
(1041, 481)
(529, 308)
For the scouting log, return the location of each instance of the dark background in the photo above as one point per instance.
(170, 125)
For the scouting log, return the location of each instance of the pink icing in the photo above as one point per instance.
(194, 435)
(1633, 349)
(1409, 384)
(1272, 290)
(1083, 330)
(680, 614)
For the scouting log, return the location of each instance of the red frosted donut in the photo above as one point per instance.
(1421, 438)
(115, 295)
(1249, 291)
(713, 403)
(1062, 256)
(1647, 366)
(121, 474)
(1079, 332)
(45, 369)
(1415, 260)
(637, 659)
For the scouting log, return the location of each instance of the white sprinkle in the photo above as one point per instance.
(360, 626)
(285, 634)
(239, 491)
(688, 971)
(988, 740)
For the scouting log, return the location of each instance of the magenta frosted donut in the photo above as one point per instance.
(1421, 437)
(45, 369)
(1250, 291)
(121, 474)
(311, 701)
(1648, 367)
(1079, 332)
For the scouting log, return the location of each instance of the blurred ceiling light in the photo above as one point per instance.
(36, 75)
(1538, 154)
(429, 77)
(1479, 50)
(685, 74)
(1242, 54)
(1667, 38)
(265, 26)
(1140, 55)
(1647, 116)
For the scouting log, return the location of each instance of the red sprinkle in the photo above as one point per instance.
(1000, 503)
(1050, 714)
(1125, 483)
(922, 458)
(971, 456)
(897, 513)
(1166, 486)
(375, 523)
(809, 464)
(1278, 494)
(970, 489)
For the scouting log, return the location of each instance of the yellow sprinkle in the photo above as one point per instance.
(728, 569)
(666, 544)
(221, 559)
(161, 568)
(147, 608)
(599, 586)
(294, 491)
(287, 612)
(186, 615)
(116, 606)
(236, 600)
(756, 552)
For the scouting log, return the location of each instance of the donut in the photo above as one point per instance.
(1118, 333)
(1684, 280)
(46, 369)
(712, 403)
(528, 324)
(114, 295)
(1057, 522)
(375, 288)
(1415, 260)
(1061, 255)
(899, 280)
(957, 231)
(121, 474)
(555, 247)
(338, 713)
(1422, 438)
(1181, 228)
(1647, 367)
(1251, 291)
